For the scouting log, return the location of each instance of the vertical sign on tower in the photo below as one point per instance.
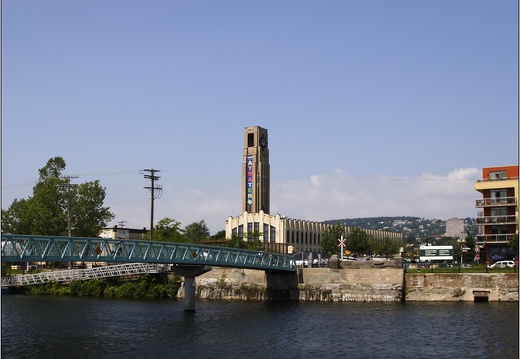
(249, 180)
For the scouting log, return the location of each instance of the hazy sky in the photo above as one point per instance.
(374, 108)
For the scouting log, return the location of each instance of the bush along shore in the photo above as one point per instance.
(146, 286)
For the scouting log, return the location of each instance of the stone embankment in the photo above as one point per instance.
(373, 284)
(319, 284)
(461, 286)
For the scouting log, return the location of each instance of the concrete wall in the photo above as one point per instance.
(358, 285)
(355, 285)
(315, 284)
(461, 287)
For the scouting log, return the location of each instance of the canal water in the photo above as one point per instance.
(76, 327)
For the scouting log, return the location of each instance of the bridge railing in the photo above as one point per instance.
(27, 248)
(80, 274)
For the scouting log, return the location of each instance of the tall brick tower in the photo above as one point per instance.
(255, 171)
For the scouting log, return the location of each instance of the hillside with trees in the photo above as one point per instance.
(413, 229)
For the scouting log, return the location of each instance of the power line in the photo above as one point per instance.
(155, 191)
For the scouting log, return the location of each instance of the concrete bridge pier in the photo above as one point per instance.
(282, 286)
(189, 272)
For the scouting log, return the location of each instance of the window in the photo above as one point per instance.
(499, 211)
(497, 175)
(266, 233)
(272, 237)
(250, 140)
(249, 231)
(499, 193)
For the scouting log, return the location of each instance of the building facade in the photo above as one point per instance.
(455, 228)
(498, 216)
(122, 233)
(278, 233)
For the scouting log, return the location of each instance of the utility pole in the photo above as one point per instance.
(68, 185)
(155, 191)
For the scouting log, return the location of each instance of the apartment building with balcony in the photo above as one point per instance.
(497, 219)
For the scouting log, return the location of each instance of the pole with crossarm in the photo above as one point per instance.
(341, 245)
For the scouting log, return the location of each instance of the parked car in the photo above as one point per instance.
(502, 264)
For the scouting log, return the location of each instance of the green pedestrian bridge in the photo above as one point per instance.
(187, 260)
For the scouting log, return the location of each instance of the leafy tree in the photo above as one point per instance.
(15, 219)
(46, 212)
(387, 247)
(196, 232)
(89, 216)
(168, 230)
(220, 235)
(329, 240)
(238, 242)
(358, 241)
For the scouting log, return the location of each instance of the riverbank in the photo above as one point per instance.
(385, 284)
(361, 285)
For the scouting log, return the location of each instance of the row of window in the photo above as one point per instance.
(253, 229)
(295, 237)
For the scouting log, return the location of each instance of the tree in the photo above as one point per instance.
(220, 235)
(238, 242)
(196, 232)
(329, 240)
(89, 216)
(387, 247)
(358, 241)
(168, 230)
(46, 212)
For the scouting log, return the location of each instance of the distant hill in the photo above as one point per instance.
(412, 228)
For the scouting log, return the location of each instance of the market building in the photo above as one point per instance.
(278, 233)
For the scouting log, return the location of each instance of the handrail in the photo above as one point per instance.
(27, 248)
(494, 179)
(481, 238)
(481, 202)
(496, 219)
(79, 274)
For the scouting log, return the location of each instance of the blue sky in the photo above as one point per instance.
(374, 108)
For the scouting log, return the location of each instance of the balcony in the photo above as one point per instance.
(495, 202)
(497, 220)
(493, 238)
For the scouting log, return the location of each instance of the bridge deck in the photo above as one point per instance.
(25, 248)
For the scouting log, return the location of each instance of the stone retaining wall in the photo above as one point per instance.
(361, 285)
(461, 287)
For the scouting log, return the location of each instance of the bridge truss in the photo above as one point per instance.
(70, 275)
(27, 248)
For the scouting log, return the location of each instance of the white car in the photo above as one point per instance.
(502, 264)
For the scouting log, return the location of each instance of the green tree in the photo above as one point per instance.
(89, 216)
(238, 242)
(387, 247)
(220, 235)
(329, 240)
(196, 232)
(168, 230)
(358, 241)
(46, 212)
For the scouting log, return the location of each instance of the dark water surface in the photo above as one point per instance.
(72, 327)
